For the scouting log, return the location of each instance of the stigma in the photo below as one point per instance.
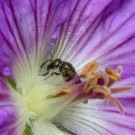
(97, 84)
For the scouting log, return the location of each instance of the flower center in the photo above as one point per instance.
(38, 102)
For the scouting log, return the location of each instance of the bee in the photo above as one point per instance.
(65, 69)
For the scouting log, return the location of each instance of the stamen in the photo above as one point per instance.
(99, 83)
(118, 104)
(94, 80)
(90, 84)
(104, 77)
(121, 89)
(103, 90)
(115, 76)
(89, 69)
(60, 93)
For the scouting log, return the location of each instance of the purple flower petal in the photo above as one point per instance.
(102, 31)
(7, 120)
(28, 24)
(96, 119)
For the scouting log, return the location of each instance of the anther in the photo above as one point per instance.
(92, 82)
(113, 75)
(61, 92)
(89, 69)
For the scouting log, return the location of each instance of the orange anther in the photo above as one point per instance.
(62, 92)
(112, 74)
(89, 69)
(92, 82)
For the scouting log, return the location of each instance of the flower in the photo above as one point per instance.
(67, 67)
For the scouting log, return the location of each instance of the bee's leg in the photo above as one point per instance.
(54, 73)
(46, 73)
(45, 63)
